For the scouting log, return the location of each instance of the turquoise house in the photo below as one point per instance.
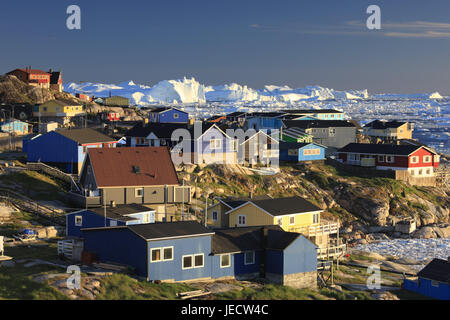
(15, 126)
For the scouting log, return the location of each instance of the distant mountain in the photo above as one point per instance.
(191, 91)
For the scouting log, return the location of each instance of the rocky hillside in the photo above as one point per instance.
(12, 90)
(366, 202)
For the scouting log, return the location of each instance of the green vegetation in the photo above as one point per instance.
(123, 287)
(16, 283)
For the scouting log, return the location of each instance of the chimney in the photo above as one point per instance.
(250, 195)
(113, 204)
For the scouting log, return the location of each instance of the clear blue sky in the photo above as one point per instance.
(253, 42)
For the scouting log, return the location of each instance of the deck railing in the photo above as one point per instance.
(326, 227)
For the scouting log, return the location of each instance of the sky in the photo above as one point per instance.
(250, 42)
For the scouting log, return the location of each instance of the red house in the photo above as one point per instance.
(32, 77)
(419, 161)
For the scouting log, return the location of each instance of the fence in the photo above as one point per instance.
(70, 249)
(54, 172)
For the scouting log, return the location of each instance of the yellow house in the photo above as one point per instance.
(59, 108)
(293, 214)
(389, 130)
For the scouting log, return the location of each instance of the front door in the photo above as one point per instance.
(242, 220)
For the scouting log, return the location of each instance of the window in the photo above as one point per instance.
(113, 223)
(242, 220)
(249, 257)
(225, 260)
(420, 172)
(427, 159)
(198, 261)
(176, 115)
(215, 144)
(145, 218)
(280, 221)
(193, 261)
(316, 218)
(214, 215)
(380, 158)
(155, 255)
(413, 172)
(78, 221)
(428, 171)
(139, 192)
(292, 220)
(187, 262)
(435, 283)
(168, 254)
(414, 159)
(161, 254)
(389, 159)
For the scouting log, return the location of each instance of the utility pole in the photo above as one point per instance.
(206, 210)
(182, 205)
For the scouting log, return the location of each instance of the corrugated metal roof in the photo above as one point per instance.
(115, 167)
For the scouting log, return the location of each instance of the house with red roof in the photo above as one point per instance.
(139, 175)
(32, 77)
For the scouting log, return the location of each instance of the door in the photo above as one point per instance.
(242, 220)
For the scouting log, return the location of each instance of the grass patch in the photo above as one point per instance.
(123, 287)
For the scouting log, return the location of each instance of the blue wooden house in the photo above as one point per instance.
(186, 251)
(432, 281)
(268, 121)
(168, 115)
(66, 149)
(299, 152)
(110, 216)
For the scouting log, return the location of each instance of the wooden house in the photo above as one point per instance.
(32, 77)
(59, 110)
(388, 131)
(292, 214)
(432, 281)
(187, 251)
(415, 161)
(168, 115)
(141, 175)
(259, 148)
(107, 216)
(153, 134)
(66, 149)
(301, 152)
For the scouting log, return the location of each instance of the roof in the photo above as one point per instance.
(236, 202)
(163, 109)
(31, 71)
(297, 145)
(311, 111)
(116, 167)
(306, 124)
(284, 206)
(402, 150)
(161, 230)
(236, 114)
(266, 114)
(251, 239)
(377, 124)
(161, 130)
(85, 135)
(120, 212)
(437, 269)
(64, 102)
(54, 77)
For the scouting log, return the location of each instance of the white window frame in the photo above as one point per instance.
(192, 262)
(213, 145)
(161, 254)
(415, 159)
(113, 223)
(193, 256)
(390, 159)
(78, 224)
(136, 193)
(315, 218)
(229, 260)
(245, 258)
(203, 260)
(216, 214)
(244, 216)
(426, 159)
